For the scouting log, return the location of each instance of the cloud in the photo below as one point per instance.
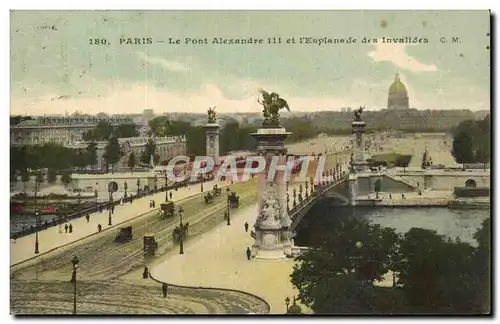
(136, 97)
(395, 53)
(172, 66)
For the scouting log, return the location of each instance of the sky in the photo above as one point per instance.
(55, 69)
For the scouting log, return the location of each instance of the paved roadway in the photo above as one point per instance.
(23, 248)
(36, 284)
(227, 266)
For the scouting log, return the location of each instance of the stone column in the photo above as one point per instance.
(358, 129)
(272, 237)
(212, 141)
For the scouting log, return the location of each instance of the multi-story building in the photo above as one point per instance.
(166, 148)
(58, 129)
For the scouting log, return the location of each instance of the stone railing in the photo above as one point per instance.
(297, 212)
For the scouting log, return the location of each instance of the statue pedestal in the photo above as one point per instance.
(212, 141)
(272, 237)
(358, 129)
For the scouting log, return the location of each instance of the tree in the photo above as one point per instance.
(482, 261)
(149, 149)
(462, 148)
(66, 177)
(131, 162)
(125, 130)
(437, 275)
(51, 176)
(80, 159)
(104, 130)
(91, 154)
(112, 152)
(341, 265)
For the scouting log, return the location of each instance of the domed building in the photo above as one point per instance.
(398, 96)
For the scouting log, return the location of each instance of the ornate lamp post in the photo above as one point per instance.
(125, 186)
(166, 187)
(287, 202)
(181, 245)
(37, 216)
(75, 262)
(110, 191)
(228, 207)
(294, 197)
(287, 303)
(138, 185)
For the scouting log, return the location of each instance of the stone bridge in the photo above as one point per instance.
(332, 187)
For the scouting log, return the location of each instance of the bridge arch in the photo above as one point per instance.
(471, 183)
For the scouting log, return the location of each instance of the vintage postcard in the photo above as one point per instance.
(250, 162)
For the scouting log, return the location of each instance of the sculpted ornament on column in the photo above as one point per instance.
(270, 214)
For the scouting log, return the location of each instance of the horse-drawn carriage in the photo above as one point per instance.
(234, 201)
(216, 191)
(209, 198)
(167, 210)
(124, 235)
(149, 244)
(180, 231)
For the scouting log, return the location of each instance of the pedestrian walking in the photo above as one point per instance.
(170, 194)
(70, 228)
(145, 273)
(60, 228)
(249, 253)
(66, 228)
(88, 218)
(246, 227)
(121, 201)
(390, 196)
(164, 288)
(99, 227)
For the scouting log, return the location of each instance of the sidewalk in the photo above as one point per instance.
(23, 248)
(217, 259)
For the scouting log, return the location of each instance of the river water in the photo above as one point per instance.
(451, 223)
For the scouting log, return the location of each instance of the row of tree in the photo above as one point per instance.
(472, 141)
(233, 136)
(104, 131)
(434, 275)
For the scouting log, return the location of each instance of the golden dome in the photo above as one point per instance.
(397, 85)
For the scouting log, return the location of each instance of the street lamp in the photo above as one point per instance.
(96, 193)
(166, 187)
(228, 207)
(202, 179)
(287, 303)
(181, 247)
(36, 233)
(125, 186)
(109, 206)
(138, 185)
(73, 279)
